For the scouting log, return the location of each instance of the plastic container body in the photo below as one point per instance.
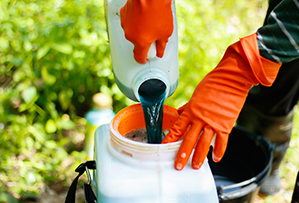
(100, 114)
(129, 74)
(95, 118)
(134, 172)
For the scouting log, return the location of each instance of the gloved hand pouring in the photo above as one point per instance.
(218, 99)
(145, 22)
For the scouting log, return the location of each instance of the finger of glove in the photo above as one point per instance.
(220, 146)
(160, 47)
(178, 129)
(140, 53)
(182, 108)
(186, 147)
(202, 147)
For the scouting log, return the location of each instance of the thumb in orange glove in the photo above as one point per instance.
(145, 22)
(217, 102)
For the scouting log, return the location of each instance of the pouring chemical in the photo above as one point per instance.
(152, 96)
(128, 74)
(149, 83)
(127, 170)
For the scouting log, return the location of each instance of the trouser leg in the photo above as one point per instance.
(268, 111)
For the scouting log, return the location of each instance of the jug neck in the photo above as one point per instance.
(149, 74)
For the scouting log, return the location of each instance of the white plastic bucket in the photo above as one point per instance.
(132, 172)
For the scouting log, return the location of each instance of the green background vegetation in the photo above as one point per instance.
(54, 55)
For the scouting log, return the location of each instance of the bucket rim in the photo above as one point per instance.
(251, 184)
(117, 137)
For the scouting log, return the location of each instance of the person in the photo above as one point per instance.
(267, 59)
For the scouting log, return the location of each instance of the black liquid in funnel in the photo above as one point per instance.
(152, 96)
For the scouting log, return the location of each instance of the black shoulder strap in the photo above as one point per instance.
(71, 195)
(295, 197)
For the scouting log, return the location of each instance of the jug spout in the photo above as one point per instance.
(150, 82)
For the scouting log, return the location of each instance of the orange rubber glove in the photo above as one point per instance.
(218, 100)
(145, 22)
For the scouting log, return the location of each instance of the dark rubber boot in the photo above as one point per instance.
(277, 130)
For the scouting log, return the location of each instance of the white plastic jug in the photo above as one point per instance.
(129, 74)
(133, 172)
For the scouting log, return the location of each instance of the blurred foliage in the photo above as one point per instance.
(206, 28)
(54, 56)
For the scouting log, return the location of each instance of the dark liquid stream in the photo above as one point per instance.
(152, 96)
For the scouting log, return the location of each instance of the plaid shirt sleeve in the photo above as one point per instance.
(279, 39)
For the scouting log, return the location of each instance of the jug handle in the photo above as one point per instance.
(152, 52)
